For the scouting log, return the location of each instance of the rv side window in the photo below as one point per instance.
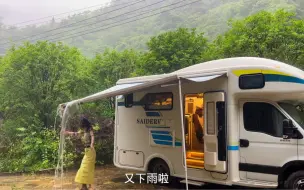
(129, 100)
(159, 101)
(251, 81)
(263, 118)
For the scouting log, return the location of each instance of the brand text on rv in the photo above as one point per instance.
(150, 121)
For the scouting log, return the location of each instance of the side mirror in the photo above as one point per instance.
(289, 131)
(287, 123)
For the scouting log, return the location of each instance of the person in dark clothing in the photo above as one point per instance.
(198, 124)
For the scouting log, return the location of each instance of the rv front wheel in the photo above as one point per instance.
(295, 180)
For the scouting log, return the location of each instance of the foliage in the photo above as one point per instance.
(108, 68)
(104, 150)
(36, 78)
(174, 50)
(278, 36)
(111, 65)
(34, 151)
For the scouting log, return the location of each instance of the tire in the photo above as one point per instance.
(295, 180)
(160, 167)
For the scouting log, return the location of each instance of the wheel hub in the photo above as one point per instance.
(299, 184)
(159, 169)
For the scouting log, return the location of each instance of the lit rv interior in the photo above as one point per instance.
(194, 121)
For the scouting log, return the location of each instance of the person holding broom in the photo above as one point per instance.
(85, 174)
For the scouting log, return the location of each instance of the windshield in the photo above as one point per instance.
(296, 111)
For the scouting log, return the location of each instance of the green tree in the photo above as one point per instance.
(173, 50)
(34, 79)
(109, 67)
(278, 36)
(38, 77)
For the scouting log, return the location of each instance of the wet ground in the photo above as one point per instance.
(108, 177)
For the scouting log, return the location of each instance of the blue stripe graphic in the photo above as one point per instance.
(233, 147)
(162, 137)
(282, 78)
(158, 127)
(161, 132)
(163, 142)
(153, 114)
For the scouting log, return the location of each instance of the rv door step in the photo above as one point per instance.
(255, 183)
(195, 163)
(195, 158)
(191, 182)
(195, 155)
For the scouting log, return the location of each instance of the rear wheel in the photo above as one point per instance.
(162, 170)
(295, 180)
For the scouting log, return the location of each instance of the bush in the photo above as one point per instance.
(35, 151)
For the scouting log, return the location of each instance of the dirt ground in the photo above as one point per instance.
(107, 177)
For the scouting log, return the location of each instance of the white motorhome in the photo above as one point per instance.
(249, 111)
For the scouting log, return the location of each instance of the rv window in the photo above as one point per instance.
(263, 118)
(210, 118)
(159, 101)
(128, 100)
(251, 81)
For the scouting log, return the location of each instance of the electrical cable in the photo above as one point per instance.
(127, 22)
(64, 26)
(72, 29)
(14, 25)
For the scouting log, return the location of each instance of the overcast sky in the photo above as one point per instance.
(16, 11)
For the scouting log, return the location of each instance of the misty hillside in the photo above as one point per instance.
(130, 23)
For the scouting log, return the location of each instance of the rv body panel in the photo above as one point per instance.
(254, 158)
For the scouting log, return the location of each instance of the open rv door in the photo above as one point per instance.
(215, 130)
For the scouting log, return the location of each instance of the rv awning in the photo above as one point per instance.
(122, 89)
(127, 88)
(203, 78)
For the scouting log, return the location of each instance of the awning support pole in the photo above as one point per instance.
(183, 131)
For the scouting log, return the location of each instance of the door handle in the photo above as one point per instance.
(244, 143)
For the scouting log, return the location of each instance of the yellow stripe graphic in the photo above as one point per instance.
(253, 71)
(274, 72)
(233, 143)
(244, 72)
